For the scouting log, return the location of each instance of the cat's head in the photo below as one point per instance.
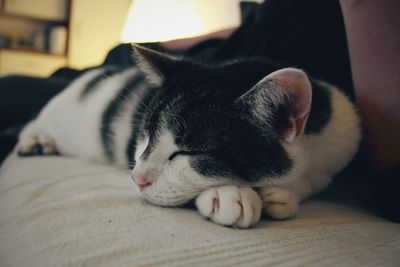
(206, 126)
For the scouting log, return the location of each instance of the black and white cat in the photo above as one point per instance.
(236, 136)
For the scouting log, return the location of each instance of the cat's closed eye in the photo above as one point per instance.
(183, 152)
(173, 155)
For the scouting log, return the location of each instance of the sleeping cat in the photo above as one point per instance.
(236, 136)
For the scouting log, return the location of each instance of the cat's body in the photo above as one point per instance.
(79, 120)
(207, 132)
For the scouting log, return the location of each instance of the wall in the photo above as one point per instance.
(95, 27)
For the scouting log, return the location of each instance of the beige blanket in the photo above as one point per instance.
(57, 211)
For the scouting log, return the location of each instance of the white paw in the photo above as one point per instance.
(32, 143)
(230, 205)
(279, 203)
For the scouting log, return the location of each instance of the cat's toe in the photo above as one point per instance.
(48, 145)
(28, 147)
(36, 145)
(251, 207)
(279, 203)
(230, 205)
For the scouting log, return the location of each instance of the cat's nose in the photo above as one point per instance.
(142, 179)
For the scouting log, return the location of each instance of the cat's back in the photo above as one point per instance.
(332, 134)
(74, 117)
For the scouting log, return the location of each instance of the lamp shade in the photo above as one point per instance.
(162, 20)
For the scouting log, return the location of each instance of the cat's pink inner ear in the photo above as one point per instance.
(295, 84)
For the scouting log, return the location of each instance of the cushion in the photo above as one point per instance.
(58, 211)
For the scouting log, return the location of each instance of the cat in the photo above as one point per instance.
(236, 137)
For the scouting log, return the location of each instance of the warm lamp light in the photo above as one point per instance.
(163, 20)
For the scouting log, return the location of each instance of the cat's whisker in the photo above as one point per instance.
(137, 98)
(131, 93)
(112, 121)
(123, 98)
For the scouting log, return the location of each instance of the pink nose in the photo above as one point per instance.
(142, 180)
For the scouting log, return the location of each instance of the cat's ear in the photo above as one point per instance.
(155, 65)
(283, 98)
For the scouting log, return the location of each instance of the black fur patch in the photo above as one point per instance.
(94, 83)
(321, 109)
(111, 112)
(137, 127)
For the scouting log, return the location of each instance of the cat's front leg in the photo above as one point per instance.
(230, 205)
(279, 203)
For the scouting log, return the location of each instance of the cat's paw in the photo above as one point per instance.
(41, 145)
(230, 205)
(279, 203)
(32, 143)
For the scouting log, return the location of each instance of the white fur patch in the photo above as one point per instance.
(318, 157)
(74, 125)
(141, 147)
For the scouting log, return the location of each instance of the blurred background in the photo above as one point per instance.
(38, 37)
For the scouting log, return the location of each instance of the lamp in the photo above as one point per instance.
(163, 20)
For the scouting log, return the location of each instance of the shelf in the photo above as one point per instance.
(30, 50)
(14, 62)
(26, 17)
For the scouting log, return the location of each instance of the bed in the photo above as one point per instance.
(58, 211)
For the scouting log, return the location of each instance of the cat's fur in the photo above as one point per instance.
(234, 136)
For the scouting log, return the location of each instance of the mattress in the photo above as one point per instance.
(58, 211)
